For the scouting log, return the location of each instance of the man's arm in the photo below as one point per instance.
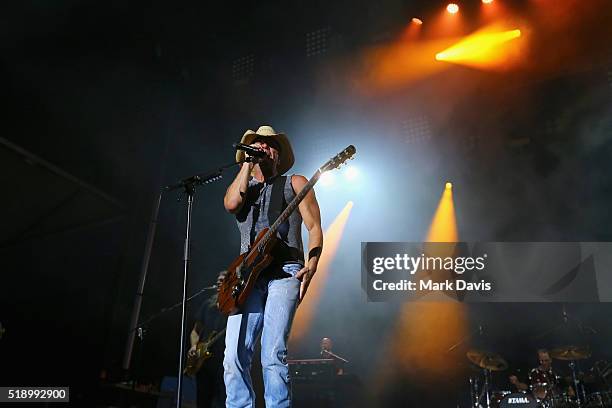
(194, 336)
(236, 192)
(311, 215)
(519, 385)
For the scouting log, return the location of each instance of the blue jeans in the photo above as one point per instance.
(268, 310)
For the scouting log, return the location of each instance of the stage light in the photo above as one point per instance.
(452, 8)
(484, 48)
(351, 173)
(487, 1)
(412, 30)
(327, 179)
(449, 185)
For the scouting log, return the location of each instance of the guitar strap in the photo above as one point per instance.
(277, 199)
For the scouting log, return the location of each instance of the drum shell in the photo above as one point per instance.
(518, 400)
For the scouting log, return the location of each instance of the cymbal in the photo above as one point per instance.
(487, 360)
(570, 353)
(587, 378)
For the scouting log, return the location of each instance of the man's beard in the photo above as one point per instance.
(266, 164)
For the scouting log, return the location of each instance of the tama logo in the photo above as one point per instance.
(518, 400)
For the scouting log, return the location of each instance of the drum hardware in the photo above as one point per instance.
(473, 391)
(518, 400)
(498, 396)
(600, 375)
(572, 354)
(487, 374)
(603, 371)
(599, 400)
(489, 362)
(481, 398)
(590, 388)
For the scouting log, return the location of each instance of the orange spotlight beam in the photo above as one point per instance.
(418, 347)
(419, 342)
(443, 227)
(401, 63)
(331, 239)
(484, 48)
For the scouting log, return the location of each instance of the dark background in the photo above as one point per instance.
(128, 96)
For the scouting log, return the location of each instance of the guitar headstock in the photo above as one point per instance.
(338, 159)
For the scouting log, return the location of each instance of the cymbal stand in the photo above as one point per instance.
(473, 392)
(487, 374)
(572, 366)
(476, 396)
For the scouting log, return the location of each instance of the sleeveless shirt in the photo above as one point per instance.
(257, 211)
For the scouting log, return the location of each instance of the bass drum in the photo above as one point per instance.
(518, 400)
(497, 397)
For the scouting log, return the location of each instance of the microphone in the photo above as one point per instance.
(249, 149)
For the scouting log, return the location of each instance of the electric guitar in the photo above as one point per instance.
(196, 358)
(245, 269)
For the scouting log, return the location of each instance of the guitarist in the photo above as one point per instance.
(209, 378)
(256, 197)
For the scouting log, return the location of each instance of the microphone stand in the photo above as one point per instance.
(188, 184)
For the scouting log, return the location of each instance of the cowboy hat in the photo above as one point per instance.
(286, 157)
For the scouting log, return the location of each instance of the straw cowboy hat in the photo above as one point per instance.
(286, 157)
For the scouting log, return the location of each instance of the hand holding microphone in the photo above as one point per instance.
(254, 155)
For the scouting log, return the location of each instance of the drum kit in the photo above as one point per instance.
(584, 389)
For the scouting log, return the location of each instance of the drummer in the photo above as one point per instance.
(545, 369)
(543, 381)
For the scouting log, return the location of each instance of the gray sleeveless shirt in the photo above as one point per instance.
(257, 211)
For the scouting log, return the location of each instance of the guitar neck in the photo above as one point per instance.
(216, 336)
(289, 210)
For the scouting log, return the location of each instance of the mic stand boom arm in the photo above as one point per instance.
(202, 178)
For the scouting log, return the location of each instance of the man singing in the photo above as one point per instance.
(256, 197)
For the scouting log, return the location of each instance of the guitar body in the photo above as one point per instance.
(243, 273)
(201, 354)
(195, 360)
